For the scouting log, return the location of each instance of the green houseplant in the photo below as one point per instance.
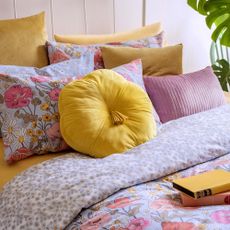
(217, 14)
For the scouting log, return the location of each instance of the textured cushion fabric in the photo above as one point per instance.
(156, 61)
(22, 41)
(29, 107)
(177, 96)
(61, 51)
(146, 31)
(104, 114)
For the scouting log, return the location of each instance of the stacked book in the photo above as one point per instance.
(209, 188)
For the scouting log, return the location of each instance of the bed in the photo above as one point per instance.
(121, 191)
(131, 191)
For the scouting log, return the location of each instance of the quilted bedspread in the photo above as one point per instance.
(56, 193)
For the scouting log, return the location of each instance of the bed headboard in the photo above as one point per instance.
(80, 16)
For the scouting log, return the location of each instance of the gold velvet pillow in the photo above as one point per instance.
(103, 113)
(156, 61)
(136, 34)
(22, 41)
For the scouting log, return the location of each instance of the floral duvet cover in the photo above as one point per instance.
(156, 205)
(130, 191)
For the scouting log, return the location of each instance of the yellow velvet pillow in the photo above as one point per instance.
(103, 114)
(139, 33)
(156, 61)
(22, 41)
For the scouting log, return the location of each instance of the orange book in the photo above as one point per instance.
(204, 184)
(221, 198)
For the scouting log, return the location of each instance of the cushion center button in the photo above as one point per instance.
(118, 118)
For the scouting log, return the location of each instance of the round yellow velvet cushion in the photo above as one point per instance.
(103, 114)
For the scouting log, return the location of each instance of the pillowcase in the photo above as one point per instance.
(22, 41)
(146, 31)
(156, 61)
(61, 51)
(29, 106)
(70, 68)
(177, 96)
(111, 116)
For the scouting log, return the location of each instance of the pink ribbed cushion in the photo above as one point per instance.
(182, 95)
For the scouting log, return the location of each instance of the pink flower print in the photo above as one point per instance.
(54, 131)
(115, 43)
(58, 56)
(96, 222)
(39, 79)
(126, 76)
(133, 66)
(66, 80)
(164, 204)
(19, 154)
(17, 96)
(120, 203)
(3, 75)
(98, 60)
(54, 94)
(63, 146)
(168, 204)
(138, 224)
(221, 216)
(178, 226)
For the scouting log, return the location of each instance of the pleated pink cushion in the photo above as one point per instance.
(175, 96)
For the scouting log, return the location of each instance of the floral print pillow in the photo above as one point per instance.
(132, 72)
(30, 115)
(29, 105)
(71, 68)
(61, 51)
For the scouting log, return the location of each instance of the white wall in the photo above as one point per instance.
(79, 16)
(183, 25)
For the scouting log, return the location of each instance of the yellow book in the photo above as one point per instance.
(204, 184)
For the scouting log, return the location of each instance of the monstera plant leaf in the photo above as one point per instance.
(222, 70)
(217, 12)
(198, 5)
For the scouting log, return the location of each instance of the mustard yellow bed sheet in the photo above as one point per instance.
(7, 172)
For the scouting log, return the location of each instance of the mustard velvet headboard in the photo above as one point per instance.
(80, 16)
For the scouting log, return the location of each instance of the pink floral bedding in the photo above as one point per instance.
(156, 205)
